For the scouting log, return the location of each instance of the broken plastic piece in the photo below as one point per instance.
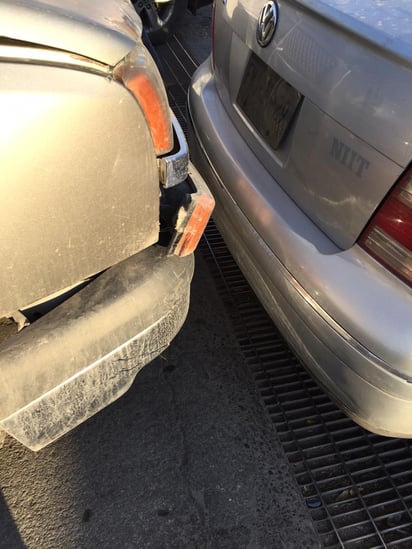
(192, 218)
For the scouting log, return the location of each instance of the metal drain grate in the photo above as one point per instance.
(358, 486)
(178, 66)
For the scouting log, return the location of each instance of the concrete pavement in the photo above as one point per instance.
(187, 458)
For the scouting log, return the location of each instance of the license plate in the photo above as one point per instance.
(268, 101)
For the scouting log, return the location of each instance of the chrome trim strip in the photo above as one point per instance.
(173, 169)
(45, 56)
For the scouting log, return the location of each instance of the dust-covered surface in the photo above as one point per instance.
(7, 328)
(187, 458)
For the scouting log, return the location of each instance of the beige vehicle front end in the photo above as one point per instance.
(91, 158)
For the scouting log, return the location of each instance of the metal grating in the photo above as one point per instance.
(358, 486)
(178, 65)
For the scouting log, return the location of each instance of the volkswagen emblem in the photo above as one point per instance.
(268, 18)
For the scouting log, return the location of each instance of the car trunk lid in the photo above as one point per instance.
(386, 25)
(348, 139)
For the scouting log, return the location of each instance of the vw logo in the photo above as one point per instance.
(268, 18)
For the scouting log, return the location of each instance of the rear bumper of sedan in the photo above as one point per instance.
(374, 392)
(85, 353)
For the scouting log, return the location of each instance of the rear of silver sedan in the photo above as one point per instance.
(301, 123)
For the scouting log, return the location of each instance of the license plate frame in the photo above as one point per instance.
(268, 101)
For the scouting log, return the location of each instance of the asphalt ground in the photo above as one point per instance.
(195, 32)
(187, 458)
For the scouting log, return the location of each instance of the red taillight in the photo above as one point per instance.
(388, 237)
(212, 33)
(139, 74)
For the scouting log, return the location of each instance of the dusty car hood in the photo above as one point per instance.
(387, 24)
(105, 30)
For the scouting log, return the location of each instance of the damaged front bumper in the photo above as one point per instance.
(86, 352)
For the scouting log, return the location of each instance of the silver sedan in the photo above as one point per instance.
(301, 122)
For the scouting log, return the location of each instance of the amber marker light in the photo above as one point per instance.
(192, 218)
(138, 72)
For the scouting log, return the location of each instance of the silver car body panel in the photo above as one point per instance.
(333, 306)
(357, 121)
(17, 52)
(173, 168)
(385, 24)
(105, 31)
(96, 216)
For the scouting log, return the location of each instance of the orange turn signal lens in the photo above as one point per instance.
(139, 73)
(192, 217)
(194, 223)
(144, 91)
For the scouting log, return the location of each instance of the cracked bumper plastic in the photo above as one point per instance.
(86, 353)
